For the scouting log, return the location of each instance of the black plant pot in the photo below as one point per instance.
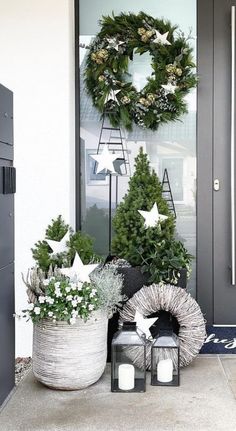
(134, 280)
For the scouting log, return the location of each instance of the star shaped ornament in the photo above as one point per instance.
(161, 38)
(112, 96)
(105, 160)
(114, 44)
(78, 271)
(152, 218)
(169, 88)
(144, 324)
(59, 246)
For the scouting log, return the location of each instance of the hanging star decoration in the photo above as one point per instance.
(105, 160)
(112, 96)
(169, 88)
(152, 218)
(144, 324)
(113, 43)
(78, 271)
(59, 246)
(161, 38)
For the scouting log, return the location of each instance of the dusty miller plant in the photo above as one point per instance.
(109, 288)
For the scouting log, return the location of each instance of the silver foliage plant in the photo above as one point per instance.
(109, 285)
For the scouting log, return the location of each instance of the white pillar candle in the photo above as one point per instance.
(165, 371)
(126, 377)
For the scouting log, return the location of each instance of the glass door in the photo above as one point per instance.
(172, 147)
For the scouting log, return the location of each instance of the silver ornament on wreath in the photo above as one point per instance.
(181, 305)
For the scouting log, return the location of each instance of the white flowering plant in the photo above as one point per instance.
(63, 299)
(57, 297)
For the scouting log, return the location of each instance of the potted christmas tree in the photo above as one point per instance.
(144, 233)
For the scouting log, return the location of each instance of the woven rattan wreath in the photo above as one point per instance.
(180, 304)
(107, 80)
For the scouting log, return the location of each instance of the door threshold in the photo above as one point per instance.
(224, 326)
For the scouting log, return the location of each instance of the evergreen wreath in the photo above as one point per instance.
(107, 78)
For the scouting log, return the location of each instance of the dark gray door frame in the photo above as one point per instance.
(77, 122)
(204, 151)
(205, 158)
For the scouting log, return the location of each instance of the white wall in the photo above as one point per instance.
(37, 64)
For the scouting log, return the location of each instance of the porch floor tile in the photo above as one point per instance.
(205, 401)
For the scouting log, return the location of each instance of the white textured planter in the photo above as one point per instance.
(70, 357)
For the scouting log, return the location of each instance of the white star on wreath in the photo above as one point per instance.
(161, 38)
(105, 160)
(144, 324)
(112, 96)
(152, 218)
(114, 44)
(59, 246)
(78, 271)
(169, 88)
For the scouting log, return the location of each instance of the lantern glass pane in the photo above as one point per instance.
(126, 375)
(165, 361)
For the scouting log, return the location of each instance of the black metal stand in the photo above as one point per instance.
(167, 193)
(109, 216)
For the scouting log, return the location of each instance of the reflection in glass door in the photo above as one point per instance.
(172, 147)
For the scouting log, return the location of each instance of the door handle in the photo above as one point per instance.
(232, 146)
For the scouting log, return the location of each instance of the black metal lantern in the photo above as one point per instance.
(165, 359)
(126, 376)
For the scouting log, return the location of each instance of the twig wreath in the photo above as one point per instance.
(108, 81)
(175, 300)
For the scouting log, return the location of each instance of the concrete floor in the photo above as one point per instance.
(206, 400)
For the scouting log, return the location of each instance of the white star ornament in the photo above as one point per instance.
(112, 96)
(59, 246)
(114, 44)
(152, 218)
(161, 38)
(105, 160)
(144, 324)
(169, 88)
(78, 271)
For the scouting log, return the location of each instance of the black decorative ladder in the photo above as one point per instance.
(167, 193)
(112, 137)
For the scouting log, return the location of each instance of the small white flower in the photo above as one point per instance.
(74, 313)
(51, 278)
(49, 300)
(72, 285)
(79, 285)
(74, 303)
(91, 307)
(42, 299)
(50, 313)
(66, 312)
(19, 314)
(31, 306)
(67, 289)
(58, 293)
(72, 320)
(46, 282)
(79, 299)
(57, 284)
(93, 293)
(37, 310)
(69, 297)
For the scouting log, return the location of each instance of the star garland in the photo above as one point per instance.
(107, 81)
